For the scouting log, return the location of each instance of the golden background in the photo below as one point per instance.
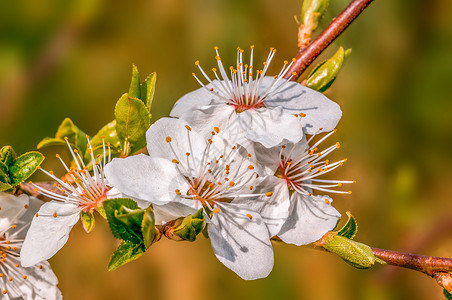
(73, 59)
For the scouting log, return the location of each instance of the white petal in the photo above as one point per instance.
(274, 210)
(10, 206)
(42, 283)
(174, 210)
(142, 177)
(204, 119)
(295, 98)
(241, 244)
(193, 100)
(310, 218)
(270, 126)
(175, 129)
(48, 234)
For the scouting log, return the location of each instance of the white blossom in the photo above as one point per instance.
(186, 172)
(268, 109)
(80, 192)
(18, 282)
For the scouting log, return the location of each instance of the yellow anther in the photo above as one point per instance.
(349, 192)
(10, 279)
(24, 277)
(197, 63)
(327, 201)
(14, 226)
(188, 153)
(251, 188)
(65, 138)
(55, 215)
(40, 267)
(214, 70)
(294, 73)
(26, 206)
(249, 216)
(168, 139)
(217, 130)
(354, 181)
(193, 74)
(177, 191)
(339, 184)
(38, 167)
(17, 265)
(175, 161)
(57, 156)
(286, 62)
(338, 145)
(217, 57)
(231, 184)
(215, 48)
(210, 141)
(249, 154)
(294, 59)
(37, 215)
(216, 210)
(268, 194)
(250, 167)
(302, 115)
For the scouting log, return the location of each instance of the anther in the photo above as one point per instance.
(217, 130)
(177, 191)
(231, 184)
(268, 194)
(250, 167)
(249, 216)
(175, 161)
(188, 127)
(168, 139)
(216, 210)
(55, 215)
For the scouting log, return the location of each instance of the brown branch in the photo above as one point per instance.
(307, 55)
(429, 265)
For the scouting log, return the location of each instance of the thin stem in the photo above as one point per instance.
(429, 265)
(306, 56)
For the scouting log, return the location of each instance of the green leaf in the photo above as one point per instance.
(67, 128)
(148, 90)
(108, 132)
(123, 220)
(356, 254)
(48, 141)
(7, 155)
(88, 221)
(323, 76)
(148, 227)
(24, 166)
(4, 173)
(447, 295)
(132, 122)
(350, 229)
(126, 252)
(5, 186)
(134, 89)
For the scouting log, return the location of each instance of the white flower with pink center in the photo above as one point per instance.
(186, 172)
(296, 170)
(18, 282)
(270, 110)
(79, 192)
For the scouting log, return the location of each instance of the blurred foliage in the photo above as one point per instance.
(72, 59)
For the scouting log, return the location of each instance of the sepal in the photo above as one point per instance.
(185, 228)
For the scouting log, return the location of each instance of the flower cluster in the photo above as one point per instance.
(244, 153)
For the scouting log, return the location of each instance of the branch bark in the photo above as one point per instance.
(306, 56)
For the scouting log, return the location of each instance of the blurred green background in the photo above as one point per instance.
(73, 59)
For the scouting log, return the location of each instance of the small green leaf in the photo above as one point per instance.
(148, 90)
(24, 166)
(134, 89)
(5, 186)
(76, 137)
(126, 252)
(7, 155)
(4, 173)
(88, 221)
(323, 76)
(148, 227)
(132, 122)
(356, 254)
(350, 229)
(121, 207)
(447, 295)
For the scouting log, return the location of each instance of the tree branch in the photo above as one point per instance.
(429, 265)
(307, 55)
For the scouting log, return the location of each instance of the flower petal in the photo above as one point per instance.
(142, 177)
(171, 211)
(310, 218)
(193, 100)
(204, 119)
(240, 243)
(47, 233)
(270, 126)
(10, 207)
(41, 285)
(295, 98)
(176, 129)
(274, 210)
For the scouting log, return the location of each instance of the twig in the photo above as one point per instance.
(306, 56)
(429, 265)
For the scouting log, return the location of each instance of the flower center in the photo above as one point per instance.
(240, 106)
(206, 191)
(92, 201)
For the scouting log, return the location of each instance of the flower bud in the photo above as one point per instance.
(311, 12)
(323, 76)
(185, 228)
(7, 155)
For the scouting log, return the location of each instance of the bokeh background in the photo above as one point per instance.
(73, 59)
